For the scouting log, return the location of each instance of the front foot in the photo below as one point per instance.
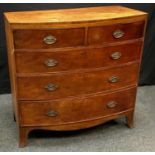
(23, 135)
(130, 119)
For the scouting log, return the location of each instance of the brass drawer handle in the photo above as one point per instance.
(51, 62)
(113, 79)
(52, 113)
(49, 40)
(112, 104)
(118, 34)
(51, 87)
(116, 55)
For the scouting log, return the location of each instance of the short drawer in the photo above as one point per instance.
(75, 110)
(115, 33)
(42, 62)
(45, 39)
(60, 85)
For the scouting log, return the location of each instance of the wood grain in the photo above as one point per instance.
(12, 69)
(76, 59)
(25, 130)
(75, 110)
(72, 15)
(34, 39)
(74, 84)
(102, 34)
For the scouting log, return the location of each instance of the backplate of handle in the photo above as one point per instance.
(49, 40)
(52, 113)
(118, 34)
(112, 104)
(116, 55)
(51, 87)
(113, 79)
(50, 62)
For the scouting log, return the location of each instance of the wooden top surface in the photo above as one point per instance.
(72, 15)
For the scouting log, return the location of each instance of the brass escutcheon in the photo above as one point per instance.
(51, 87)
(49, 40)
(113, 79)
(116, 55)
(112, 104)
(50, 62)
(118, 34)
(52, 113)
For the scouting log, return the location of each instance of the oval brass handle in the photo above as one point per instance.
(111, 104)
(51, 87)
(52, 113)
(50, 62)
(113, 79)
(116, 55)
(118, 34)
(49, 40)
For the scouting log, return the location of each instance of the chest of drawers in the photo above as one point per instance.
(74, 68)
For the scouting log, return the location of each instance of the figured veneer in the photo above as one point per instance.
(74, 84)
(49, 61)
(115, 33)
(38, 39)
(74, 110)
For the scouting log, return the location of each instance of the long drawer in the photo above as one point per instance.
(41, 62)
(75, 110)
(56, 86)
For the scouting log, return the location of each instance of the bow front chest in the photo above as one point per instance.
(74, 68)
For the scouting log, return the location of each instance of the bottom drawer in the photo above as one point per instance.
(75, 109)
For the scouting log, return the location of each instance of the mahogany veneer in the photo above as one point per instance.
(78, 59)
(65, 38)
(87, 108)
(75, 84)
(74, 68)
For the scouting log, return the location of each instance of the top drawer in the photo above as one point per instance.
(51, 38)
(115, 33)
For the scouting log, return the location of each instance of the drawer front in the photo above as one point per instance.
(74, 110)
(45, 39)
(40, 62)
(115, 33)
(64, 85)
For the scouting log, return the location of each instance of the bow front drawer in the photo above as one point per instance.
(75, 110)
(115, 33)
(42, 62)
(46, 39)
(73, 84)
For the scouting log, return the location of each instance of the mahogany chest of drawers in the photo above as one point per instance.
(74, 68)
